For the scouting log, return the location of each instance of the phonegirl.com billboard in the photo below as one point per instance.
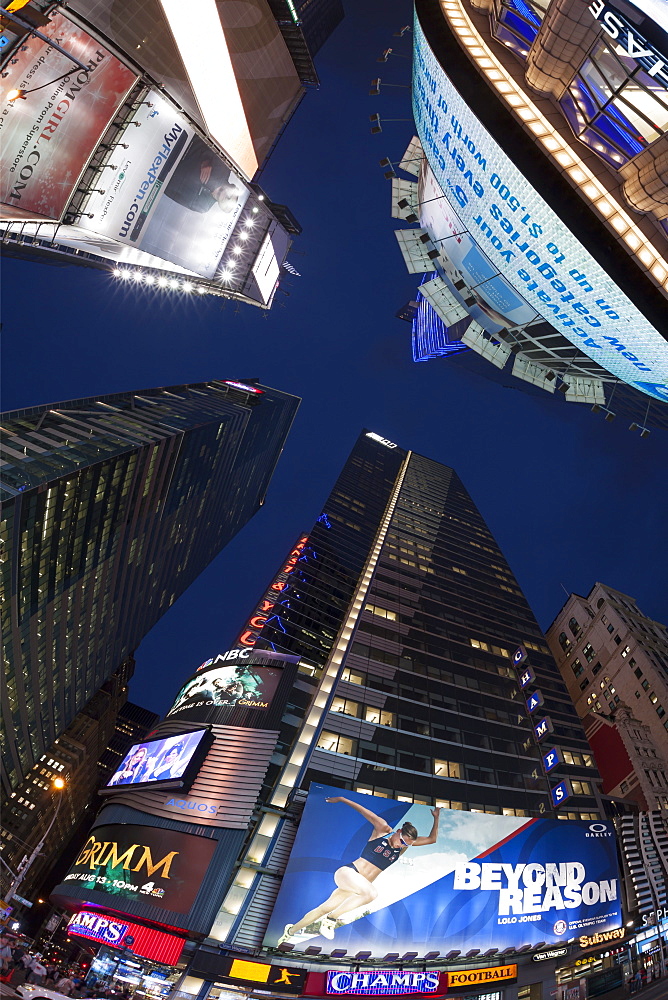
(375, 874)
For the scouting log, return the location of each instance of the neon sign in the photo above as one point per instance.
(381, 440)
(260, 616)
(382, 983)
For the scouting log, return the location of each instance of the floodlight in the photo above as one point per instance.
(645, 432)
(375, 87)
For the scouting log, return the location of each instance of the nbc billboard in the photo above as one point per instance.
(514, 241)
(378, 875)
(211, 694)
(48, 137)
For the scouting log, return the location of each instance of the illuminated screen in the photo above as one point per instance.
(158, 761)
(479, 881)
(48, 137)
(211, 693)
(147, 864)
(171, 195)
(524, 240)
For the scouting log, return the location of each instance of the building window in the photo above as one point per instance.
(625, 652)
(624, 787)
(336, 743)
(378, 716)
(346, 707)
(508, 811)
(574, 626)
(580, 787)
(381, 612)
(449, 804)
(584, 684)
(576, 667)
(447, 769)
(611, 628)
(614, 106)
(589, 652)
(564, 642)
(352, 676)
(618, 641)
(478, 644)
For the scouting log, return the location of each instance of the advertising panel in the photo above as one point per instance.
(48, 137)
(117, 933)
(171, 195)
(523, 239)
(155, 762)
(210, 693)
(379, 875)
(160, 867)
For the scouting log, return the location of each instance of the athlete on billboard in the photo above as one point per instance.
(354, 880)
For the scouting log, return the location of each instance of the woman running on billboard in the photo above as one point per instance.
(354, 881)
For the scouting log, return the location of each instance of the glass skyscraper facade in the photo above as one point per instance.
(111, 508)
(406, 616)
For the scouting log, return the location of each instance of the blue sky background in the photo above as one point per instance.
(570, 498)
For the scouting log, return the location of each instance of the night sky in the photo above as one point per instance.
(570, 498)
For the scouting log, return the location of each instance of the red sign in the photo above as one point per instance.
(146, 942)
(260, 616)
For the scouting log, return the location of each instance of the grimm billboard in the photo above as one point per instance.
(163, 868)
(374, 874)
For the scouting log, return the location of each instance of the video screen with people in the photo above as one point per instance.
(158, 760)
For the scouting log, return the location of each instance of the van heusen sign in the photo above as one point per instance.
(474, 978)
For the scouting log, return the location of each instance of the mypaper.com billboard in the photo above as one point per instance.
(48, 136)
(379, 875)
(170, 195)
(524, 240)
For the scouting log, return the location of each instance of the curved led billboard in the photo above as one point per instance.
(211, 693)
(49, 135)
(522, 239)
(378, 875)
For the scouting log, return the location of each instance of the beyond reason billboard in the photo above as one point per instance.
(375, 874)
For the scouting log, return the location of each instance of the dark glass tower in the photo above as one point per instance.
(408, 613)
(112, 506)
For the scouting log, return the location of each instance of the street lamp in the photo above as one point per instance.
(57, 785)
(18, 94)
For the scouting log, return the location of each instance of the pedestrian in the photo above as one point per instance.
(65, 985)
(37, 972)
(51, 973)
(5, 954)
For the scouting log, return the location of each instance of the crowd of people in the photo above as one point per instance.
(20, 966)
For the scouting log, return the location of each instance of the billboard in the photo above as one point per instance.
(165, 761)
(48, 137)
(163, 868)
(524, 240)
(170, 195)
(211, 693)
(378, 875)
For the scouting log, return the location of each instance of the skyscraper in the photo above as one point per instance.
(609, 652)
(112, 506)
(391, 666)
(408, 614)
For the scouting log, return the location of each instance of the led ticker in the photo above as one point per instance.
(261, 615)
(242, 385)
(534, 701)
(542, 728)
